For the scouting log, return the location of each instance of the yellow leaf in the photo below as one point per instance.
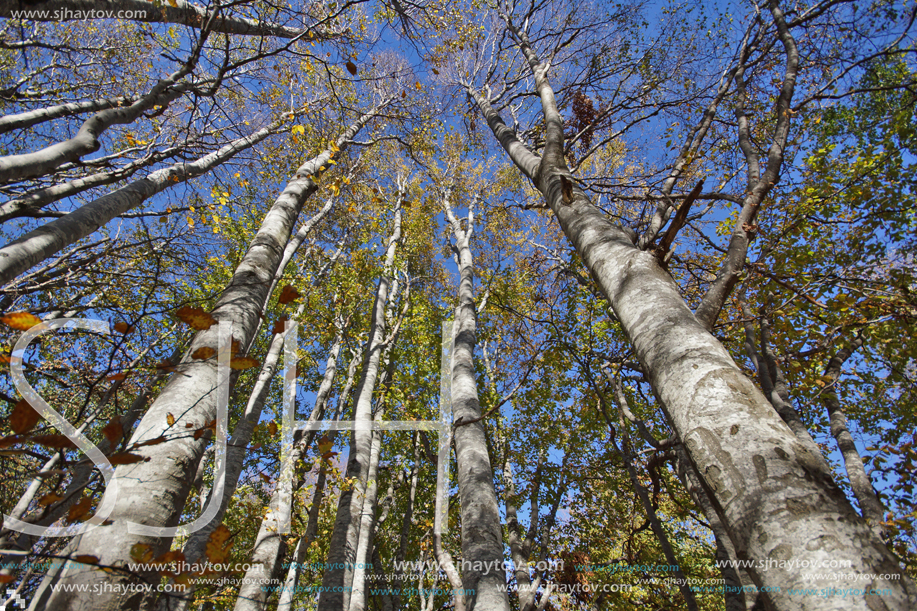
(170, 419)
(298, 129)
(219, 545)
(21, 321)
(197, 318)
(141, 552)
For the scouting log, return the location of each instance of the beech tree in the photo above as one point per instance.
(674, 248)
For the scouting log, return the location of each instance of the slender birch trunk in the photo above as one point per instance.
(482, 532)
(291, 582)
(156, 490)
(270, 545)
(776, 499)
(338, 576)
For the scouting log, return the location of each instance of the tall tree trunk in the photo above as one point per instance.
(338, 576)
(482, 532)
(776, 498)
(156, 490)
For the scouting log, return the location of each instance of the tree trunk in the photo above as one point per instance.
(39, 244)
(157, 489)
(866, 496)
(482, 532)
(338, 576)
(776, 498)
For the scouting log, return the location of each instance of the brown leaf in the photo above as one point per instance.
(87, 559)
(113, 431)
(6, 442)
(7, 578)
(272, 428)
(80, 510)
(243, 362)
(287, 295)
(152, 442)
(170, 418)
(123, 327)
(21, 321)
(351, 68)
(195, 317)
(58, 442)
(280, 325)
(49, 499)
(24, 418)
(125, 458)
(203, 353)
(165, 366)
(117, 377)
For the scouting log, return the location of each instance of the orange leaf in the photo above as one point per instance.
(5, 357)
(287, 295)
(218, 545)
(203, 353)
(328, 455)
(87, 559)
(243, 362)
(117, 377)
(195, 317)
(80, 510)
(113, 431)
(170, 418)
(125, 458)
(24, 418)
(21, 321)
(123, 328)
(7, 578)
(58, 442)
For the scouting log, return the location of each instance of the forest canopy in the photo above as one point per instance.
(486, 305)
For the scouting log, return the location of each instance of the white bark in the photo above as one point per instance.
(482, 532)
(155, 491)
(338, 578)
(46, 160)
(39, 244)
(775, 497)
